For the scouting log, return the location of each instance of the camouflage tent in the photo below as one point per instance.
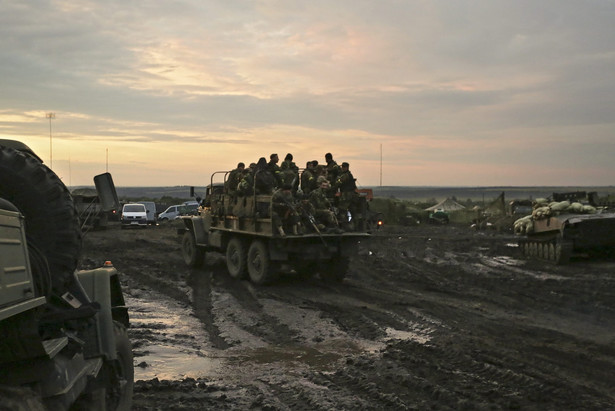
(447, 205)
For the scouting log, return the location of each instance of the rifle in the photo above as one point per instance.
(308, 216)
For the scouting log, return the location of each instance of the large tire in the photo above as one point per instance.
(116, 394)
(236, 258)
(125, 368)
(52, 223)
(193, 255)
(259, 264)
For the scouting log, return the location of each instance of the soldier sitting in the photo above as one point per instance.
(323, 210)
(284, 213)
(234, 178)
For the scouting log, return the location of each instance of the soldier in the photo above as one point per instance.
(349, 197)
(289, 172)
(284, 216)
(319, 170)
(246, 185)
(234, 178)
(264, 180)
(322, 206)
(332, 168)
(308, 179)
(274, 169)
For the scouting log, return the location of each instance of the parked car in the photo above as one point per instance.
(170, 213)
(134, 215)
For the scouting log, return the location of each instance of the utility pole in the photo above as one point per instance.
(380, 164)
(50, 116)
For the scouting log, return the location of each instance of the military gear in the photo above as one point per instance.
(308, 181)
(264, 180)
(322, 207)
(289, 173)
(234, 178)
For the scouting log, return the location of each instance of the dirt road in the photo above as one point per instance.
(429, 317)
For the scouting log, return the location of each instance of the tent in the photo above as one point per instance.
(447, 205)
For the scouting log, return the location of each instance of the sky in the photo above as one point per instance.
(409, 92)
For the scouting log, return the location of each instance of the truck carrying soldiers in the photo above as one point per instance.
(269, 219)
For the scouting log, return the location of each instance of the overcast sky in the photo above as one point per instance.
(471, 93)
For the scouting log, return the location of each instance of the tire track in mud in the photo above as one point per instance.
(487, 321)
(201, 283)
(259, 322)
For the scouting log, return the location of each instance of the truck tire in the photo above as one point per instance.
(125, 367)
(236, 258)
(52, 221)
(258, 263)
(193, 255)
(20, 399)
(117, 394)
(335, 270)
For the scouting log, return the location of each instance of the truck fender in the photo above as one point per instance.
(102, 285)
(198, 228)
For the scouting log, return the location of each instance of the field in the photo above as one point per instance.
(430, 317)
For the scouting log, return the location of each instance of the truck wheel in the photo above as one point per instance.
(125, 367)
(258, 263)
(193, 256)
(118, 389)
(236, 258)
(52, 222)
(335, 270)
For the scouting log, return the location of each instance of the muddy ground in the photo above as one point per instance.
(437, 317)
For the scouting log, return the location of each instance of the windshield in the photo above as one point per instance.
(134, 208)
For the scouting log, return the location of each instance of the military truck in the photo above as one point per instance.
(64, 343)
(567, 225)
(96, 209)
(243, 229)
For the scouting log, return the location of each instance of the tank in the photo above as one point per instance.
(573, 224)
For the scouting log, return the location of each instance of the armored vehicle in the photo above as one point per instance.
(243, 227)
(571, 224)
(64, 342)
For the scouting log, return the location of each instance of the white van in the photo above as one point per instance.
(150, 207)
(134, 215)
(170, 213)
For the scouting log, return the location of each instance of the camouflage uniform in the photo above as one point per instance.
(322, 207)
(284, 215)
(349, 198)
(332, 168)
(345, 183)
(265, 182)
(274, 169)
(307, 180)
(289, 173)
(234, 178)
(246, 185)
